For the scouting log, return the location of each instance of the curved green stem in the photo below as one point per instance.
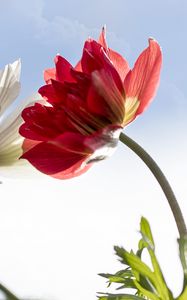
(8, 294)
(151, 164)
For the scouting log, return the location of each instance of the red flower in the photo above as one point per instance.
(87, 107)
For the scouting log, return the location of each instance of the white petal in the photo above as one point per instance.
(11, 141)
(15, 110)
(16, 67)
(10, 121)
(11, 144)
(9, 85)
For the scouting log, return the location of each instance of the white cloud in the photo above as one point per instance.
(60, 31)
(68, 33)
(60, 28)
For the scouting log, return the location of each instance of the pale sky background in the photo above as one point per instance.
(56, 236)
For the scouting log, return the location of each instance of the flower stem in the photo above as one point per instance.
(162, 180)
(7, 293)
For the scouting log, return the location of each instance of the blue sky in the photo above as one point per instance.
(43, 229)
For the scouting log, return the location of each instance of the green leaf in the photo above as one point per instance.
(129, 283)
(123, 276)
(120, 251)
(146, 232)
(183, 255)
(148, 282)
(148, 242)
(145, 292)
(135, 263)
(120, 297)
(183, 296)
(113, 278)
(120, 275)
(124, 273)
(145, 283)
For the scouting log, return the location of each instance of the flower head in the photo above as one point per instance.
(87, 106)
(10, 116)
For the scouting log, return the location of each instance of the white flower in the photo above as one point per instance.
(10, 119)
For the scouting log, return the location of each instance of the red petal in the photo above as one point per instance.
(101, 41)
(95, 58)
(71, 154)
(60, 90)
(66, 154)
(61, 73)
(103, 143)
(49, 74)
(97, 103)
(102, 38)
(31, 132)
(92, 58)
(118, 61)
(142, 81)
(63, 69)
(43, 123)
(49, 94)
(54, 93)
(78, 67)
(107, 96)
(29, 144)
(76, 170)
(82, 84)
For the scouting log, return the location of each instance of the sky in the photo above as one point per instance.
(56, 236)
